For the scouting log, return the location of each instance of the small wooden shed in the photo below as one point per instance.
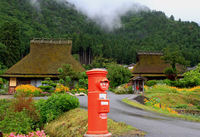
(138, 84)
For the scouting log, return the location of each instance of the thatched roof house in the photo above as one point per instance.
(44, 59)
(151, 66)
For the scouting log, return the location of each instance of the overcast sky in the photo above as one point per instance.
(187, 10)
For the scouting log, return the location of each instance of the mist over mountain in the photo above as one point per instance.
(106, 13)
(138, 30)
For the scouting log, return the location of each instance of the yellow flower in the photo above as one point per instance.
(27, 88)
(186, 89)
(61, 88)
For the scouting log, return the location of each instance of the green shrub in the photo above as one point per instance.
(170, 73)
(4, 105)
(153, 101)
(48, 85)
(151, 83)
(68, 75)
(11, 121)
(18, 122)
(182, 106)
(118, 74)
(83, 80)
(123, 89)
(55, 105)
(168, 82)
(1, 83)
(191, 78)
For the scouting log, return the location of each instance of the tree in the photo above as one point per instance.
(68, 75)
(171, 17)
(3, 53)
(173, 56)
(118, 74)
(192, 77)
(10, 37)
(100, 62)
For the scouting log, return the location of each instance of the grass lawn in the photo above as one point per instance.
(74, 124)
(148, 108)
(171, 97)
(174, 97)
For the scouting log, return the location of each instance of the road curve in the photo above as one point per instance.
(154, 124)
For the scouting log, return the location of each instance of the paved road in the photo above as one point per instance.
(154, 124)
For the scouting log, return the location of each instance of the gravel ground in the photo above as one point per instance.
(154, 124)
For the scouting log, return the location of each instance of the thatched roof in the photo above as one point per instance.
(44, 59)
(151, 64)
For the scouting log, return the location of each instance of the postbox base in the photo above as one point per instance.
(98, 135)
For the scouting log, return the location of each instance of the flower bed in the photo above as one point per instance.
(28, 90)
(197, 88)
(155, 103)
(186, 99)
(61, 89)
(30, 134)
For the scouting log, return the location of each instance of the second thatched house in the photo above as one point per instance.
(44, 59)
(151, 66)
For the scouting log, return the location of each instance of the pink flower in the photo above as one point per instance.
(12, 135)
(30, 134)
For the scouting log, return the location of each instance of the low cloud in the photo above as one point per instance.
(106, 13)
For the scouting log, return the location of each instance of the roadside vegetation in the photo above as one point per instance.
(133, 103)
(123, 89)
(178, 98)
(172, 101)
(74, 124)
(56, 116)
(23, 115)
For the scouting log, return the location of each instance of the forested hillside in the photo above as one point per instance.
(144, 31)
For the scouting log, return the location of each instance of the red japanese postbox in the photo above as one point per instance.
(98, 103)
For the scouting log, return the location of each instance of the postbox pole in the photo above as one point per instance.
(98, 103)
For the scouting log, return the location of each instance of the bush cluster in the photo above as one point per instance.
(56, 105)
(191, 79)
(14, 121)
(61, 88)
(18, 122)
(48, 85)
(22, 115)
(1, 83)
(79, 90)
(118, 75)
(123, 89)
(151, 83)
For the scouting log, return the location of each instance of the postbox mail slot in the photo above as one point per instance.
(103, 106)
(102, 96)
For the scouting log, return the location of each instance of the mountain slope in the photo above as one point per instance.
(144, 31)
